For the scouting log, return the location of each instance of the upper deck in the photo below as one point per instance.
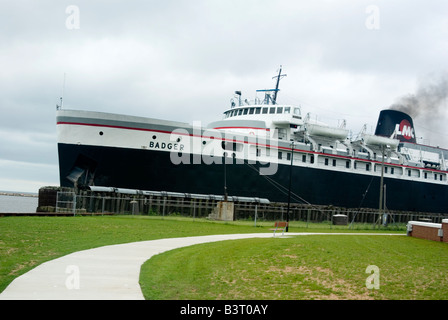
(265, 112)
(266, 120)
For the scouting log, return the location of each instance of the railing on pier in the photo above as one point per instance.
(128, 202)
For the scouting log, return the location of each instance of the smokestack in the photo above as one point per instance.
(395, 124)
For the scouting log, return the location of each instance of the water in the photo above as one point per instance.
(18, 204)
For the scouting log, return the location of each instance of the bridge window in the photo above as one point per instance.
(287, 109)
(271, 110)
(251, 110)
(257, 110)
(279, 109)
(265, 110)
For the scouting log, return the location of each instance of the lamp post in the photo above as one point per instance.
(289, 189)
(380, 209)
(225, 177)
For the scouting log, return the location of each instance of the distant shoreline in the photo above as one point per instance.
(18, 194)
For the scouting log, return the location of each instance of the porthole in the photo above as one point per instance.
(154, 137)
(101, 133)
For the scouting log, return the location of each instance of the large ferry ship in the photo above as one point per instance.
(258, 149)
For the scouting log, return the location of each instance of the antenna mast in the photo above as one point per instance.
(280, 75)
(62, 95)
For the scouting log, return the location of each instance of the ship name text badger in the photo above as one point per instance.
(169, 146)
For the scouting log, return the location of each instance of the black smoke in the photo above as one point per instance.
(429, 100)
(428, 107)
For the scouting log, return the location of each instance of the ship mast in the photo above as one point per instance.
(280, 75)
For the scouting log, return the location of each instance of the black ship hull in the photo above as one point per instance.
(153, 170)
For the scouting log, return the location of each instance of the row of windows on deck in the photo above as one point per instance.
(261, 110)
(365, 166)
(359, 165)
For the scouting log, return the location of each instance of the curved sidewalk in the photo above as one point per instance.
(109, 272)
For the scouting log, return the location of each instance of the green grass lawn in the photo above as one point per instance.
(301, 267)
(26, 242)
(234, 269)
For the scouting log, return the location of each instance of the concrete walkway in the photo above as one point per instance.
(107, 273)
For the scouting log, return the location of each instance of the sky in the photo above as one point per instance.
(183, 60)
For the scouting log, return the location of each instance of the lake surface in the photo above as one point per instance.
(18, 204)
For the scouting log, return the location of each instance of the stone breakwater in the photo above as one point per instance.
(17, 194)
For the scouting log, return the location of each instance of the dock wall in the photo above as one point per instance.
(59, 200)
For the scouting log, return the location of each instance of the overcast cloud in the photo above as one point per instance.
(182, 60)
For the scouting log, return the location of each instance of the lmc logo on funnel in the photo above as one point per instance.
(405, 129)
